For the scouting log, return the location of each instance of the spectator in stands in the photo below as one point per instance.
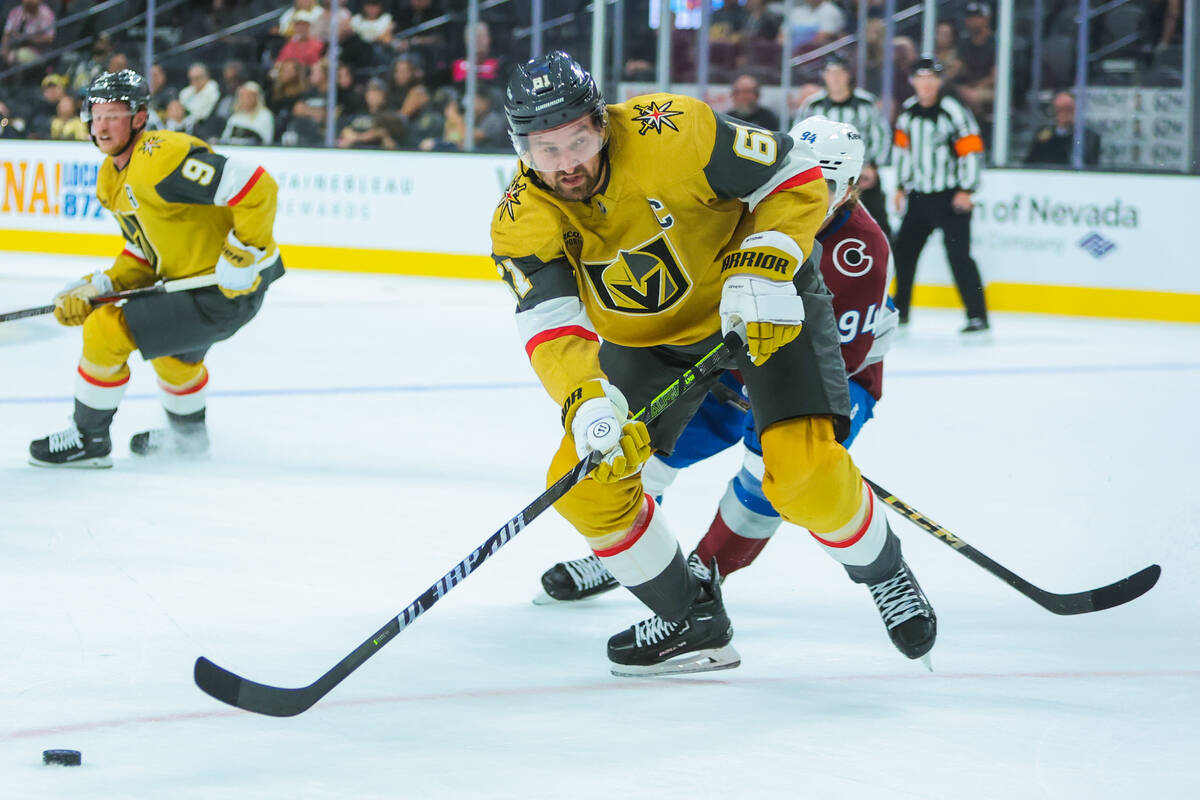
(233, 75)
(86, 70)
(11, 126)
(745, 95)
(160, 93)
(321, 23)
(378, 126)
(350, 97)
(200, 96)
(251, 121)
(303, 46)
(491, 127)
(904, 56)
(1054, 144)
(289, 84)
(454, 125)
(429, 44)
(176, 117)
(374, 27)
(489, 66)
(117, 62)
(726, 23)
(945, 43)
(408, 91)
(1163, 17)
(734, 23)
(45, 109)
(66, 125)
(976, 81)
(308, 7)
(426, 122)
(28, 32)
(351, 49)
(760, 22)
(814, 23)
(307, 124)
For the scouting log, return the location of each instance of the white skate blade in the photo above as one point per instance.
(927, 661)
(543, 599)
(699, 661)
(101, 462)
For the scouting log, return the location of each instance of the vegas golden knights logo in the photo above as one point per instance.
(646, 279)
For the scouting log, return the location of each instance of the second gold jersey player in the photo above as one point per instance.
(184, 211)
(657, 226)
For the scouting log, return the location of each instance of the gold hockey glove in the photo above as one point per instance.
(73, 304)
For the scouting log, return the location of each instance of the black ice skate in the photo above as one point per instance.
(906, 614)
(976, 329)
(580, 579)
(697, 643)
(72, 448)
(182, 438)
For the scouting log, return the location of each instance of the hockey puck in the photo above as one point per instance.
(64, 758)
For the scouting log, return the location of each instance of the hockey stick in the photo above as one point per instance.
(1114, 594)
(276, 701)
(162, 287)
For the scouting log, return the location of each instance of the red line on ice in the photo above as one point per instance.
(29, 733)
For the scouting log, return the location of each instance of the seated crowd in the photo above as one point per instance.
(273, 85)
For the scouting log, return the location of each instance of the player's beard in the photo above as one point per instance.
(577, 189)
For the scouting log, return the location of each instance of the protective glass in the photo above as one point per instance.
(563, 148)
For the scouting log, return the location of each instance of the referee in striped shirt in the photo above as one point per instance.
(841, 101)
(939, 154)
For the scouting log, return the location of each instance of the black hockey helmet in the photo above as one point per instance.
(927, 66)
(836, 60)
(125, 86)
(547, 92)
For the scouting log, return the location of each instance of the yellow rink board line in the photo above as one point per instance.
(1084, 301)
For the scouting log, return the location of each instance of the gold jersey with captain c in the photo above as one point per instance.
(176, 201)
(641, 263)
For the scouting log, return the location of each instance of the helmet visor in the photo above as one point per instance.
(564, 148)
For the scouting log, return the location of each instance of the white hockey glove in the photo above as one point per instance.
(238, 266)
(596, 417)
(767, 314)
(73, 304)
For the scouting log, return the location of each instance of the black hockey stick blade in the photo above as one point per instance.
(276, 701)
(1122, 591)
(1114, 594)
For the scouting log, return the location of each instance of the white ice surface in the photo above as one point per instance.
(369, 432)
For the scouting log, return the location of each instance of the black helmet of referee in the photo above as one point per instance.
(926, 66)
(836, 60)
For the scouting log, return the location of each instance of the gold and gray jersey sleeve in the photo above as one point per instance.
(207, 178)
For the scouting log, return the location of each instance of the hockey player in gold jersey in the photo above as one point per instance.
(184, 211)
(634, 236)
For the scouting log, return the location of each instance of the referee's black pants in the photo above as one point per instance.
(926, 212)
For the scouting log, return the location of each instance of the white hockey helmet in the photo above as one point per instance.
(837, 147)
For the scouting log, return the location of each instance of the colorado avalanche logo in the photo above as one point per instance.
(850, 257)
(656, 116)
(511, 199)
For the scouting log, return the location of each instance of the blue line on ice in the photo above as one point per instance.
(895, 374)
